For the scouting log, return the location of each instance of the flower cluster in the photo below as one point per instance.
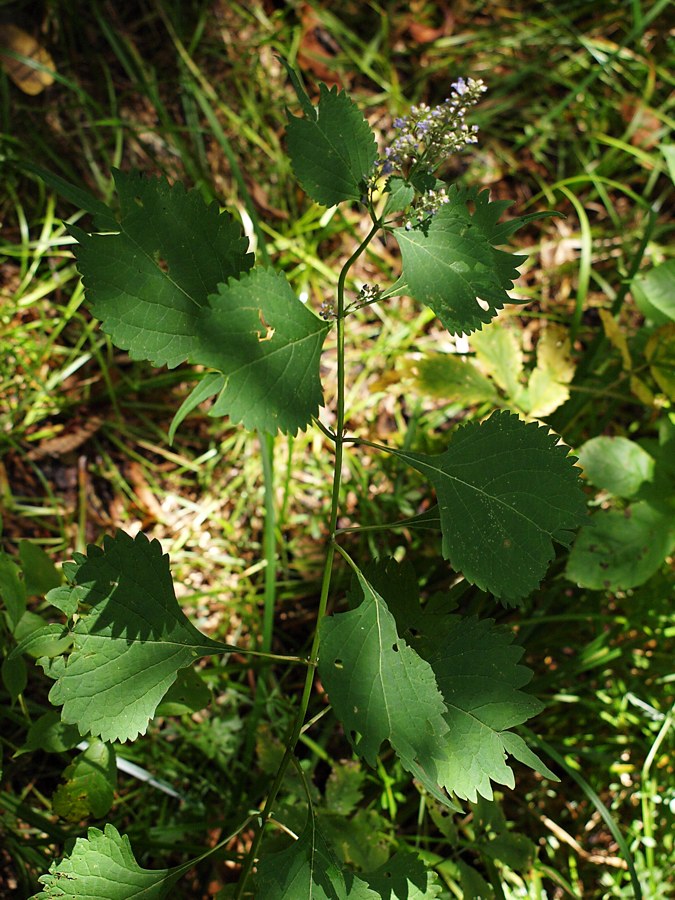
(428, 135)
(369, 293)
(428, 205)
(327, 310)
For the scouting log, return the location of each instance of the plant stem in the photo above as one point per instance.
(299, 719)
(269, 539)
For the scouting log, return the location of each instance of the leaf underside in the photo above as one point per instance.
(102, 867)
(441, 689)
(506, 491)
(129, 645)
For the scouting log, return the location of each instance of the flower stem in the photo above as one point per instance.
(298, 721)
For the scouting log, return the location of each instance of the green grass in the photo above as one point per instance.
(575, 115)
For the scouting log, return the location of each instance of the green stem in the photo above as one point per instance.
(269, 540)
(296, 727)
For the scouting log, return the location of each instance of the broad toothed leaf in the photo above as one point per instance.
(268, 345)
(308, 868)
(475, 669)
(404, 875)
(451, 262)
(379, 687)
(148, 282)
(102, 867)
(131, 642)
(506, 491)
(332, 151)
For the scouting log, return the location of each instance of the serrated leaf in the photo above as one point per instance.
(148, 282)
(130, 644)
(268, 345)
(616, 464)
(404, 876)
(308, 868)
(506, 490)
(332, 151)
(88, 784)
(451, 262)
(621, 549)
(477, 670)
(380, 689)
(447, 708)
(102, 867)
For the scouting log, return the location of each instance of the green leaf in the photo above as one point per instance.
(616, 464)
(344, 787)
(88, 784)
(47, 640)
(380, 689)
(477, 670)
(660, 354)
(102, 867)
(452, 377)
(333, 150)
(400, 194)
(148, 282)
(130, 644)
(187, 694)
(39, 571)
(446, 709)
(404, 875)
(268, 345)
(12, 589)
(506, 490)
(450, 263)
(362, 840)
(50, 734)
(212, 383)
(308, 868)
(621, 549)
(14, 676)
(668, 150)
(654, 292)
(104, 219)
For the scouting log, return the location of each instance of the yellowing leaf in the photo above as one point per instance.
(30, 78)
(616, 337)
(453, 377)
(499, 353)
(547, 387)
(660, 353)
